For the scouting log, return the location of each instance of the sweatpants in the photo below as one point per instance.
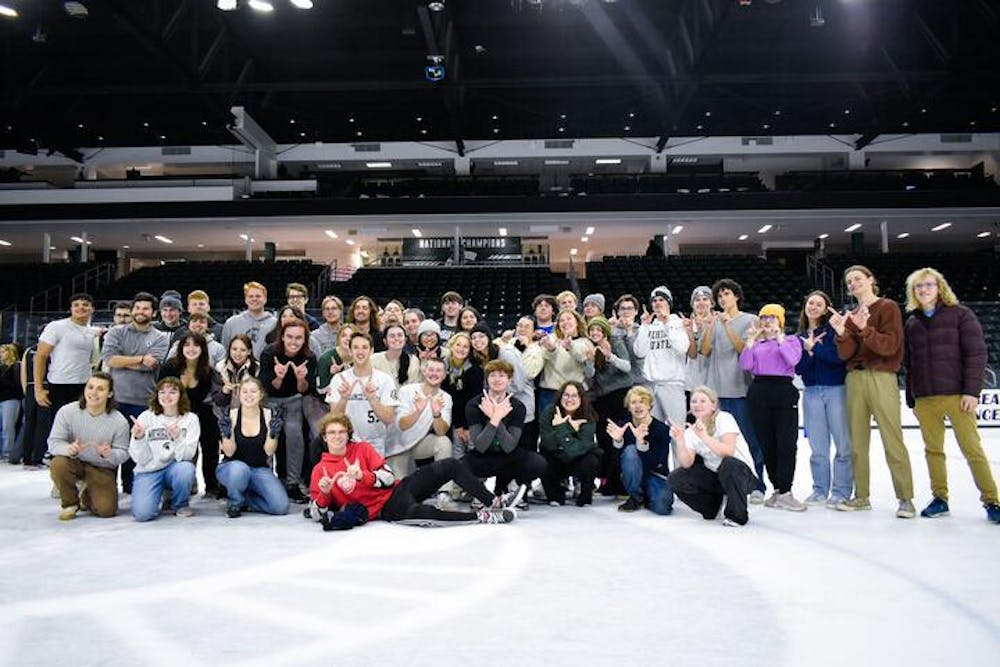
(610, 407)
(876, 393)
(774, 410)
(931, 412)
(101, 493)
(520, 464)
(703, 490)
(405, 505)
(583, 468)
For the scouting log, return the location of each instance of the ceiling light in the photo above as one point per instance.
(584, 238)
(350, 241)
(572, 251)
(2, 242)
(76, 238)
(244, 237)
(77, 10)
(302, 4)
(417, 233)
(429, 164)
(332, 234)
(943, 225)
(982, 235)
(261, 5)
(201, 245)
(628, 128)
(503, 231)
(824, 236)
(608, 160)
(902, 235)
(764, 229)
(126, 247)
(163, 239)
(504, 163)
(378, 165)
(853, 228)
(677, 229)
(589, 231)
(556, 162)
(436, 6)
(226, 5)
(562, 129)
(12, 13)
(744, 237)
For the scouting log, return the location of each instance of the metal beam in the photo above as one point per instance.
(939, 49)
(865, 139)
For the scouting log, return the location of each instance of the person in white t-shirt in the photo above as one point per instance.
(714, 462)
(423, 419)
(364, 394)
(68, 348)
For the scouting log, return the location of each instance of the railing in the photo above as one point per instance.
(93, 278)
(321, 286)
(823, 276)
(47, 299)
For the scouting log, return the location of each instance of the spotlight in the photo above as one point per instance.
(261, 5)
(226, 5)
(302, 4)
(77, 10)
(8, 11)
(436, 6)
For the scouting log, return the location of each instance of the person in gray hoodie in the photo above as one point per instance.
(255, 322)
(133, 353)
(88, 441)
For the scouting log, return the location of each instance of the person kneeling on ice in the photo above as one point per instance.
(715, 461)
(353, 477)
(644, 442)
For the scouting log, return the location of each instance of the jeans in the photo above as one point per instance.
(256, 487)
(740, 411)
(147, 488)
(295, 444)
(651, 486)
(825, 415)
(9, 412)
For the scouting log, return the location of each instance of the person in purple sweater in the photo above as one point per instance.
(771, 356)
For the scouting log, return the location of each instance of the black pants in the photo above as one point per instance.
(59, 395)
(773, 402)
(406, 502)
(529, 436)
(584, 468)
(703, 490)
(209, 440)
(520, 464)
(34, 436)
(610, 407)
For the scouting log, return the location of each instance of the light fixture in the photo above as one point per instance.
(824, 236)
(429, 164)
(943, 225)
(247, 238)
(562, 129)
(163, 239)
(77, 10)
(572, 251)
(902, 235)
(765, 229)
(677, 229)
(201, 245)
(350, 241)
(126, 247)
(76, 238)
(504, 163)
(502, 231)
(744, 237)
(436, 6)
(226, 5)
(332, 234)
(302, 4)
(556, 162)
(584, 239)
(12, 13)
(853, 228)
(417, 233)
(982, 235)
(378, 165)
(589, 231)
(5, 244)
(261, 5)
(608, 160)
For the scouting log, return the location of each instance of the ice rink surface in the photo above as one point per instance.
(560, 586)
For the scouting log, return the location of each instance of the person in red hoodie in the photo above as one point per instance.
(352, 484)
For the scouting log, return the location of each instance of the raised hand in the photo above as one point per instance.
(371, 391)
(437, 404)
(74, 448)
(641, 432)
(280, 370)
(808, 343)
(301, 370)
(174, 430)
(325, 483)
(354, 469)
(420, 402)
(335, 368)
(860, 317)
(345, 388)
(615, 431)
(676, 432)
(837, 320)
(104, 450)
(486, 405)
(699, 430)
(558, 417)
(577, 423)
(752, 334)
(502, 409)
(566, 343)
(646, 316)
(138, 430)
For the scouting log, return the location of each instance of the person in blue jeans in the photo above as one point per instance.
(249, 438)
(644, 442)
(824, 404)
(164, 442)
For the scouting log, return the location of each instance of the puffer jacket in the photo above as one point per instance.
(945, 353)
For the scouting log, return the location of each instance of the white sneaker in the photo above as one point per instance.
(786, 501)
(512, 498)
(729, 523)
(444, 502)
(756, 497)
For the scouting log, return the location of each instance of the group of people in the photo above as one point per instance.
(384, 412)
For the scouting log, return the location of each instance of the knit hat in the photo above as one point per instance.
(452, 295)
(602, 322)
(171, 299)
(596, 299)
(776, 310)
(428, 326)
(482, 327)
(663, 292)
(701, 290)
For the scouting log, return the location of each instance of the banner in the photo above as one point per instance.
(475, 249)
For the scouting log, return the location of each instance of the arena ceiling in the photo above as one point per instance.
(166, 72)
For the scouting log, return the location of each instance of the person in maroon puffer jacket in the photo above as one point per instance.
(945, 363)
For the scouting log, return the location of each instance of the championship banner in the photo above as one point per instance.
(475, 249)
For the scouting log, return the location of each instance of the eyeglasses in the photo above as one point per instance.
(929, 284)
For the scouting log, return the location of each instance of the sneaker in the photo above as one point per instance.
(937, 507)
(68, 513)
(756, 497)
(512, 498)
(854, 505)
(771, 500)
(186, 512)
(125, 501)
(476, 504)
(233, 511)
(906, 510)
(307, 513)
(521, 505)
(496, 515)
(295, 494)
(816, 498)
(631, 505)
(729, 523)
(443, 502)
(786, 501)
(992, 512)
(832, 503)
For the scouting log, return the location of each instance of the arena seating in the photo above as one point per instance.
(23, 279)
(973, 178)
(677, 183)
(973, 276)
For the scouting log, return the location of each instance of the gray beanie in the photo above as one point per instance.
(428, 326)
(596, 299)
(701, 290)
(171, 299)
(661, 291)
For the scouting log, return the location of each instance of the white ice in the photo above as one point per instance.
(560, 586)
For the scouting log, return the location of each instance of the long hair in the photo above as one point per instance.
(585, 410)
(203, 364)
(375, 324)
(183, 403)
(252, 366)
(404, 359)
(714, 398)
(279, 344)
(945, 293)
(804, 319)
(581, 326)
(468, 309)
(106, 377)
